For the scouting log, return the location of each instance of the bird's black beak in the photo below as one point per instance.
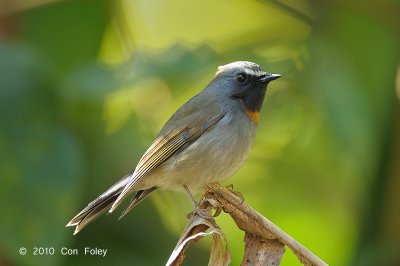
(269, 77)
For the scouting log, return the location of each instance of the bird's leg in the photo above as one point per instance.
(196, 206)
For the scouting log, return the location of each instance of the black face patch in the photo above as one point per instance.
(254, 98)
(250, 86)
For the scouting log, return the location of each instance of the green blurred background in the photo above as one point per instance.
(86, 85)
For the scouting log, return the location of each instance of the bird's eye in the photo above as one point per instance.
(241, 77)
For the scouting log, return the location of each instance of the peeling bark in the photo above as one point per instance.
(261, 251)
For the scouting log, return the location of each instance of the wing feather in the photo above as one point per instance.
(164, 147)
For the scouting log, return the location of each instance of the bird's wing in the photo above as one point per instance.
(194, 118)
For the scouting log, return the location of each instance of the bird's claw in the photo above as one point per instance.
(202, 213)
(238, 194)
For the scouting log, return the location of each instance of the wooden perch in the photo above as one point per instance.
(264, 241)
(252, 222)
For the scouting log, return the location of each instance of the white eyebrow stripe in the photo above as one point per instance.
(248, 67)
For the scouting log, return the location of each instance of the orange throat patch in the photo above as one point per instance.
(252, 115)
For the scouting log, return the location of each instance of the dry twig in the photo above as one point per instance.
(264, 241)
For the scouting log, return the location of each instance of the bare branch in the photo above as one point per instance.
(250, 221)
(264, 241)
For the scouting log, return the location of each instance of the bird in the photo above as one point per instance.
(206, 140)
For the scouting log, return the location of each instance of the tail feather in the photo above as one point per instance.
(140, 195)
(104, 202)
(87, 215)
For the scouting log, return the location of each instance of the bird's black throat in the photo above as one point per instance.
(252, 99)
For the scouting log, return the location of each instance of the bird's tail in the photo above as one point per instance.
(104, 202)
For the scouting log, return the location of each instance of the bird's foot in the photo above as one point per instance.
(238, 194)
(202, 213)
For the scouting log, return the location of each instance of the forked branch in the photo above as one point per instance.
(264, 241)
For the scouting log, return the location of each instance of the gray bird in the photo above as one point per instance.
(206, 140)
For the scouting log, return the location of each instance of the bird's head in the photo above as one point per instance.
(245, 82)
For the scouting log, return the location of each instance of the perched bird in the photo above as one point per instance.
(206, 140)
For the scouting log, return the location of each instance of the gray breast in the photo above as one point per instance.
(215, 156)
